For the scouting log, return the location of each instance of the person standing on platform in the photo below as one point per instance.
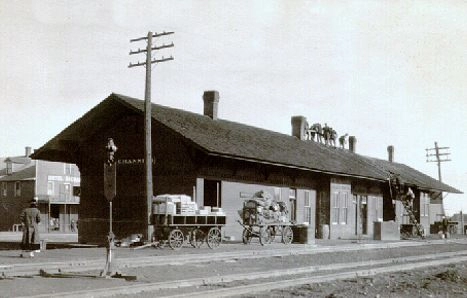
(445, 226)
(73, 226)
(30, 218)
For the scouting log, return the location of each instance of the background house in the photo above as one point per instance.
(54, 185)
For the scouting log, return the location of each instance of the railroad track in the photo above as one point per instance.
(254, 282)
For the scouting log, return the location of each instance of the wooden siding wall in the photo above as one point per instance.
(172, 173)
(11, 205)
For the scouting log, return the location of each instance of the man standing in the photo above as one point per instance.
(72, 225)
(445, 226)
(30, 217)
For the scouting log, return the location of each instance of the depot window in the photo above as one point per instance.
(17, 188)
(4, 189)
(339, 207)
(50, 188)
(307, 207)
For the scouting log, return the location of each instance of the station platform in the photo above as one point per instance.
(63, 253)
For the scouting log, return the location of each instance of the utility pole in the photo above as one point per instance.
(147, 114)
(435, 155)
(440, 157)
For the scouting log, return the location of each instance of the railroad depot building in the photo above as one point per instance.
(336, 192)
(54, 185)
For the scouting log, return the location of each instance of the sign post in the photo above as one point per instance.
(110, 191)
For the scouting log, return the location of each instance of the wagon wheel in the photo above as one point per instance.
(287, 235)
(197, 238)
(214, 237)
(264, 235)
(176, 239)
(246, 237)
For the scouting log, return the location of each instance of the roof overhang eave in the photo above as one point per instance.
(431, 189)
(53, 155)
(453, 190)
(294, 167)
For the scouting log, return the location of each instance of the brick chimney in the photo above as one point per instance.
(298, 127)
(211, 101)
(352, 143)
(391, 153)
(27, 151)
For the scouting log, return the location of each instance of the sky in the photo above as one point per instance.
(387, 72)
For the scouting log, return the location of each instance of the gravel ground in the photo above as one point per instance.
(444, 281)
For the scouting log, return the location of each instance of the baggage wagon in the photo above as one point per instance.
(178, 227)
(265, 219)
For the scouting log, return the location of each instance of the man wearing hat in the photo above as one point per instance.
(30, 217)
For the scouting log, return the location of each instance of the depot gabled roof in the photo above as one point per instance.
(236, 141)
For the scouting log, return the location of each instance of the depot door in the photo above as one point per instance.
(361, 214)
(212, 193)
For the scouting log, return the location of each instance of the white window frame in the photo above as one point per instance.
(67, 190)
(344, 200)
(335, 208)
(292, 193)
(293, 203)
(278, 193)
(427, 207)
(67, 169)
(380, 206)
(50, 188)
(425, 203)
(4, 189)
(307, 216)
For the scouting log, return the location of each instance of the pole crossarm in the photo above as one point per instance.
(155, 34)
(152, 62)
(438, 148)
(439, 154)
(440, 160)
(164, 46)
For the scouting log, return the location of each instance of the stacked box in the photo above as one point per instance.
(183, 199)
(188, 208)
(217, 211)
(206, 208)
(163, 208)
